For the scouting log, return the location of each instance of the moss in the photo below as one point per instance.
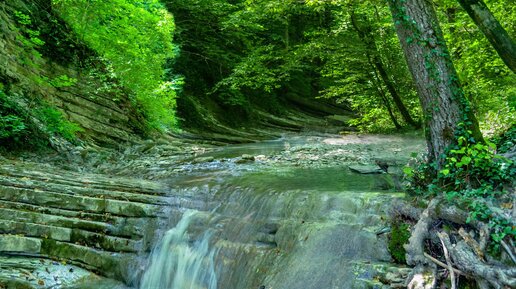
(399, 236)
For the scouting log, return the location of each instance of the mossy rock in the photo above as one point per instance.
(400, 235)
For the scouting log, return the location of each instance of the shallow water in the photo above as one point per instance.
(282, 226)
(279, 226)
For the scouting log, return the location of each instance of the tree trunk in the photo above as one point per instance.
(499, 38)
(440, 92)
(383, 97)
(365, 34)
(395, 96)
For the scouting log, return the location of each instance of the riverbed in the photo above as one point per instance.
(302, 211)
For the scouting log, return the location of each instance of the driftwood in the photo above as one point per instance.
(441, 236)
(466, 260)
(424, 275)
(464, 256)
(445, 266)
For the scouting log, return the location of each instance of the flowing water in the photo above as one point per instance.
(177, 263)
(279, 226)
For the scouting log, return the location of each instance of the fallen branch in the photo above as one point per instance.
(441, 235)
(470, 263)
(439, 263)
(509, 251)
(472, 243)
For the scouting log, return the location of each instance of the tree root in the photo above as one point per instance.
(465, 255)
(467, 261)
(441, 236)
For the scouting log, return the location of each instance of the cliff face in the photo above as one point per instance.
(43, 64)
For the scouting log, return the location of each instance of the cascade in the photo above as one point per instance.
(177, 263)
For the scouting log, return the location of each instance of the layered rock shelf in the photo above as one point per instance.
(96, 222)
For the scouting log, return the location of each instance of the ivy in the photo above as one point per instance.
(473, 177)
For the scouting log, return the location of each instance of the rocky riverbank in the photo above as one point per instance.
(100, 215)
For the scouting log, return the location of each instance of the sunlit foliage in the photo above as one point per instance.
(136, 39)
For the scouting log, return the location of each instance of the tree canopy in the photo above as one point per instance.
(135, 38)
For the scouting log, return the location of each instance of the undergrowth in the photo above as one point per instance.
(475, 178)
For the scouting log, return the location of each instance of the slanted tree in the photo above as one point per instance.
(440, 92)
(365, 34)
(495, 33)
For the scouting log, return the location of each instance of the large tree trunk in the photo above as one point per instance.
(440, 93)
(367, 37)
(499, 38)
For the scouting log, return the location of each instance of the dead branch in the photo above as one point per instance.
(415, 247)
(443, 265)
(509, 251)
(467, 261)
(448, 261)
(472, 243)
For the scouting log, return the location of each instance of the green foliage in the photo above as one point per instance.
(56, 123)
(12, 125)
(32, 36)
(507, 140)
(62, 81)
(349, 69)
(473, 177)
(471, 164)
(487, 82)
(399, 236)
(256, 52)
(136, 38)
(29, 37)
(17, 129)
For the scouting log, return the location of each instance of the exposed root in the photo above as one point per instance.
(472, 243)
(415, 247)
(425, 273)
(464, 254)
(441, 236)
(509, 251)
(445, 266)
(467, 261)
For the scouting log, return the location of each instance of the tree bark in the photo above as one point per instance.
(440, 92)
(365, 34)
(495, 33)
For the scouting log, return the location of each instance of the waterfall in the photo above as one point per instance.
(177, 263)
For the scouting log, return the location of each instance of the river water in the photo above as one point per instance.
(295, 217)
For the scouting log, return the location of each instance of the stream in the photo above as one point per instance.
(283, 214)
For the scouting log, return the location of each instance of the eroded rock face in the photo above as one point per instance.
(28, 74)
(99, 223)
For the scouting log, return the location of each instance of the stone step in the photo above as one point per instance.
(96, 222)
(83, 180)
(19, 244)
(109, 264)
(35, 230)
(75, 202)
(9, 181)
(76, 236)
